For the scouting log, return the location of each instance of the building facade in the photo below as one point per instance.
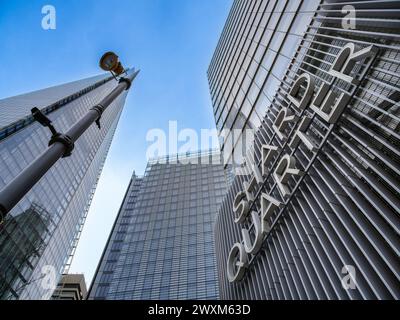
(71, 287)
(162, 244)
(314, 209)
(39, 235)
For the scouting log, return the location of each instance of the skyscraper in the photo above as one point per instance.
(162, 245)
(314, 212)
(71, 287)
(39, 235)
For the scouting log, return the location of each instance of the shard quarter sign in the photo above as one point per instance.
(290, 127)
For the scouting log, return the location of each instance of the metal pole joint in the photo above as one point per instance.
(65, 140)
(99, 109)
(56, 136)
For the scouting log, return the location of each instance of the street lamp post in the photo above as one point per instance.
(60, 145)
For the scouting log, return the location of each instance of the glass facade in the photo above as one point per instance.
(162, 244)
(255, 48)
(321, 206)
(43, 228)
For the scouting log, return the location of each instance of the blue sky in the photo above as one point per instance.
(171, 41)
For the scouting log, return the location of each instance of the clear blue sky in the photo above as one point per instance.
(171, 41)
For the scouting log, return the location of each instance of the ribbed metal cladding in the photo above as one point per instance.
(345, 210)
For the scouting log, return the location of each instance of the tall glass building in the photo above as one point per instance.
(162, 245)
(314, 212)
(39, 235)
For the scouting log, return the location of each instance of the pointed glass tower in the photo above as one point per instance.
(38, 238)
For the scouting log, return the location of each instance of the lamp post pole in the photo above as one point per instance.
(60, 145)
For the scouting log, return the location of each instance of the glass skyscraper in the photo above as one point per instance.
(316, 214)
(162, 243)
(39, 235)
(253, 52)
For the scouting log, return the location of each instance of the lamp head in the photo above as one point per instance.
(110, 62)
